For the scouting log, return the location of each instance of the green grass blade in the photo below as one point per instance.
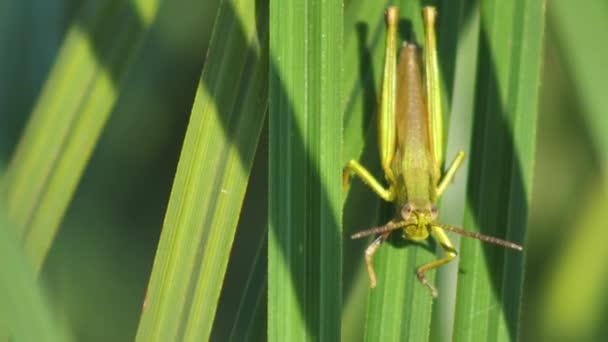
(211, 178)
(401, 308)
(459, 139)
(247, 325)
(305, 139)
(241, 314)
(24, 313)
(502, 158)
(69, 116)
(361, 206)
(364, 38)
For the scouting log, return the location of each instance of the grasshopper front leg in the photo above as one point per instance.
(450, 254)
(367, 178)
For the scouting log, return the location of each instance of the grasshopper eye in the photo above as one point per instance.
(434, 211)
(406, 211)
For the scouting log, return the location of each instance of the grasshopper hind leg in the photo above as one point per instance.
(369, 255)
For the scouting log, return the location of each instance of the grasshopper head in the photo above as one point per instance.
(419, 215)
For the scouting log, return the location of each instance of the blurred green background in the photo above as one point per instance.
(98, 267)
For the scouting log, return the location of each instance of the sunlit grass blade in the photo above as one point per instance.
(211, 178)
(24, 313)
(69, 116)
(502, 157)
(305, 139)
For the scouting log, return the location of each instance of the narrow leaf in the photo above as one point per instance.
(241, 314)
(500, 178)
(221, 139)
(399, 308)
(69, 117)
(364, 38)
(305, 139)
(24, 312)
(461, 107)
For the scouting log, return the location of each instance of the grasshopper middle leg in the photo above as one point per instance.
(354, 166)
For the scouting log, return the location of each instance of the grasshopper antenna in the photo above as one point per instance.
(481, 237)
(378, 230)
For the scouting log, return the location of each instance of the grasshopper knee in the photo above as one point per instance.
(450, 253)
(371, 249)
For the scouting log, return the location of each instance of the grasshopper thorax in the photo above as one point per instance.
(419, 215)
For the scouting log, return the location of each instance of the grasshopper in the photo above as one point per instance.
(410, 140)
